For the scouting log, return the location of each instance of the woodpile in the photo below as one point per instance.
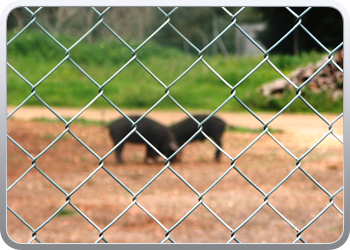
(330, 78)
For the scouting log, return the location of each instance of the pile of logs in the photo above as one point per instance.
(330, 78)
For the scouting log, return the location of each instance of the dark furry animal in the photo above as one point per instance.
(158, 135)
(213, 127)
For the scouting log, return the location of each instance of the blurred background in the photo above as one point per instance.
(168, 55)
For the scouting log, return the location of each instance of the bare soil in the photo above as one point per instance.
(115, 199)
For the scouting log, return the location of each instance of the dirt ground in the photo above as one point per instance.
(226, 206)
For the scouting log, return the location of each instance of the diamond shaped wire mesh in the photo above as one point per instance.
(232, 230)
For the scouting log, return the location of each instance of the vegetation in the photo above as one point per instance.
(198, 24)
(34, 55)
(66, 212)
(328, 31)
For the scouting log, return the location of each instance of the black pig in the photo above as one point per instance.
(213, 127)
(158, 135)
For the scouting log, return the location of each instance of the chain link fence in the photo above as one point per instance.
(232, 89)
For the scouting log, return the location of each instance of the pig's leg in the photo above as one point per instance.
(118, 152)
(218, 152)
(150, 153)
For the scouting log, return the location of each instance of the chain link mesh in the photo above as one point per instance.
(231, 88)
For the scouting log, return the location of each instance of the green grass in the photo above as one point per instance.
(34, 55)
(81, 121)
(88, 122)
(66, 212)
(250, 130)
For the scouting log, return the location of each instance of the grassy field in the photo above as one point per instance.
(34, 55)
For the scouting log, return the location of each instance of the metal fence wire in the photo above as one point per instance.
(232, 23)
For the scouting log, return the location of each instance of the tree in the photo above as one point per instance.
(325, 23)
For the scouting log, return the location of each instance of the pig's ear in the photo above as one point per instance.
(173, 146)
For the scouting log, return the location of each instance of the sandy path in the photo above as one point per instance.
(308, 123)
